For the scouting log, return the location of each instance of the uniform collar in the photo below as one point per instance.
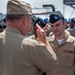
(14, 30)
(66, 39)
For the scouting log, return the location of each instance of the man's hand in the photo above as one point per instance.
(41, 35)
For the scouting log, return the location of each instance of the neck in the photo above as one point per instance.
(17, 25)
(60, 36)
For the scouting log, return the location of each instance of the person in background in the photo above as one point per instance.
(20, 55)
(65, 23)
(38, 21)
(1, 28)
(2, 25)
(71, 28)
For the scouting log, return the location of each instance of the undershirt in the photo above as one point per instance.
(60, 41)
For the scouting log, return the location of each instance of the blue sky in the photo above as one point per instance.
(65, 10)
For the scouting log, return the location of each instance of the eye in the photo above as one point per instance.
(52, 26)
(57, 25)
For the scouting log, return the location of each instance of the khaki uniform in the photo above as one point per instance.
(65, 54)
(72, 32)
(23, 56)
(32, 37)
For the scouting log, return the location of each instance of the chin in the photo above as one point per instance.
(56, 34)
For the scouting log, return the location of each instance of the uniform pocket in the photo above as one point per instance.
(67, 59)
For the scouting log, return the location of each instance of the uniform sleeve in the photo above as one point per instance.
(44, 58)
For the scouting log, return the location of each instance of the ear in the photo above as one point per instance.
(25, 20)
(65, 24)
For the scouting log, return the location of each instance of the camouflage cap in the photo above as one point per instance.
(55, 16)
(18, 7)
